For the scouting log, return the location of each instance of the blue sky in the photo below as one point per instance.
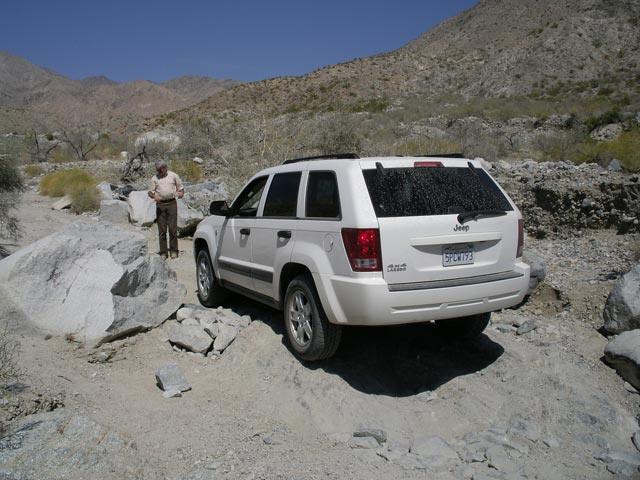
(243, 39)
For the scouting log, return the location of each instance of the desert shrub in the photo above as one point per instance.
(187, 170)
(10, 187)
(339, 135)
(61, 156)
(610, 116)
(9, 349)
(78, 184)
(33, 170)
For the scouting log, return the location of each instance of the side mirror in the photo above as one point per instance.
(219, 208)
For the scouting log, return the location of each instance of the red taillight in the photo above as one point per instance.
(363, 249)
(427, 164)
(520, 238)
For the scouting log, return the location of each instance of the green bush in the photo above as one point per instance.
(187, 170)
(78, 184)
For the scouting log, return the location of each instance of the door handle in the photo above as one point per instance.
(245, 231)
(284, 234)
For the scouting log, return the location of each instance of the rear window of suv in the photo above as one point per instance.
(417, 191)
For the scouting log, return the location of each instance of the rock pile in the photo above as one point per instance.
(206, 332)
(560, 198)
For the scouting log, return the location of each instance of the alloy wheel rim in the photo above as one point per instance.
(204, 278)
(300, 319)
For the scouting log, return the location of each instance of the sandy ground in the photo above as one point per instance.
(257, 412)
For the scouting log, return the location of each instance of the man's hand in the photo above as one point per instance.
(181, 194)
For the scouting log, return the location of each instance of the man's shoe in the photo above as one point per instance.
(174, 254)
(164, 255)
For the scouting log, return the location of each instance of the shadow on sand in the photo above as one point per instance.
(397, 361)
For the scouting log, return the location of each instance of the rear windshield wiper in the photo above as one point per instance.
(473, 214)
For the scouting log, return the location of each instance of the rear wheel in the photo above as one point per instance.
(210, 293)
(310, 334)
(464, 327)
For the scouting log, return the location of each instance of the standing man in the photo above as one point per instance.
(163, 188)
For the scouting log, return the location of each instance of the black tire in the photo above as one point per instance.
(310, 334)
(210, 292)
(464, 328)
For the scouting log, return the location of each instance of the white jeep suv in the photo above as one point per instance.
(342, 240)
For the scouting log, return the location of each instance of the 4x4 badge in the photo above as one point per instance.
(397, 268)
(461, 228)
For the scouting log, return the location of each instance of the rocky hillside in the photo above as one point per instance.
(24, 85)
(497, 48)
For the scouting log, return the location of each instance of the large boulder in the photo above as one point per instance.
(623, 354)
(114, 211)
(188, 218)
(538, 269)
(622, 310)
(142, 209)
(93, 282)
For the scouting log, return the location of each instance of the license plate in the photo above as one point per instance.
(461, 254)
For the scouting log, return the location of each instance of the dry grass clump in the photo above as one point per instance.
(33, 170)
(625, 149)
(78, 184)
(187, 170)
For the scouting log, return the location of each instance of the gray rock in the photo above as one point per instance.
(169, 377)
(57, 446)
(188, 218)
(527, 326)
(622, 309)
(636, 439)
(62, 204)
(142, 209)
(105, 190)
(538, 267)
(623, 353)
(615, 166)
(632, 458)
(193, 338)
(363, 442)
(524, 428)
(551, 442)
(192, 322)
(622, 469)
(212, 329)
(226, 335)
(172, 393)
(114, 211)
(378, 434)
(607, 133)
(184, 313)
(432, 445)
(497, 458)
(91, 281)
(271, 439)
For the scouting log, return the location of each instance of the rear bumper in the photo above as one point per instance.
(371, 301)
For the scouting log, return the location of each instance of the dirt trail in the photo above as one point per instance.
(545, 401)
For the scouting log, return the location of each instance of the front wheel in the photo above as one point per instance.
(310, 334)
(210, 293)
(464, 328)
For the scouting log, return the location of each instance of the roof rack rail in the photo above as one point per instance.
(444, 155)
(336, 156)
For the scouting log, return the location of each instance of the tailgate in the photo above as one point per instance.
(439, 248)
(441, 220)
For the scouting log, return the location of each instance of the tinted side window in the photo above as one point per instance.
(246, 205)
(282, 199)
(323, 200)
